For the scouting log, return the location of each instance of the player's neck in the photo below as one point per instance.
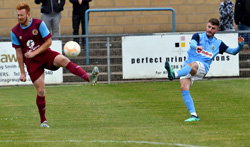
(210, 37)
(26, 23)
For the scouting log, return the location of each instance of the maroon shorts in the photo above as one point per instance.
(36, 65)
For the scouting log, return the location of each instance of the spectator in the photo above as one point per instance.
(51, 14)
(226, 15)
(78, 16)
(242, 18)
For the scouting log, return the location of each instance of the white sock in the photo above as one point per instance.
(175, 74)
(194, 114)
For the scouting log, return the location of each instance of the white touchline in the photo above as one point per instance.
(103, 141)
(145, 142)
(60, 85)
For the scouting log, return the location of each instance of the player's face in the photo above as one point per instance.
(22, 17)
(211, 29)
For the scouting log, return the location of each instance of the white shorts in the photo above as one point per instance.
(201, 72)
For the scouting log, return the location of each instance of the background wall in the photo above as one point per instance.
(191, 15)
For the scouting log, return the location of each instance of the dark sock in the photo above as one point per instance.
(77, 70)
(41, 104)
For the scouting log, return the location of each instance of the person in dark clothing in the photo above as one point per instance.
(51, 14)
(226, 15)
(78, 16)
(242, 18)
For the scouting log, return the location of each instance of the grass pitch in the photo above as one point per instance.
(128, 114)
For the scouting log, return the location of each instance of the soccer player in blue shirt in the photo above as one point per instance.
(203, 48)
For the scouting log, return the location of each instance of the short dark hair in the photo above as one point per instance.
(214, 21)
(23, 5)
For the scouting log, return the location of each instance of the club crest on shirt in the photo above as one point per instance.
(35, 32)
(213, 48)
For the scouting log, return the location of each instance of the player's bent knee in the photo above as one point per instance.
(61, 61)
(65, 60)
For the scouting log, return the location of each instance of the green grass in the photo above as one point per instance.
(128, 114)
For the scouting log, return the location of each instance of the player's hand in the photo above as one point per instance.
(240, 39)
(199, 49)
(29, 55)
(23, 77)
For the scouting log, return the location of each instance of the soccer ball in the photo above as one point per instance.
(72, 49)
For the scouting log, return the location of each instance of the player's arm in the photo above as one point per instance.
(194, 42)
(41, 49)
(19, 54)
(234, 51)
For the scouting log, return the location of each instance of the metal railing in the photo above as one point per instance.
(121, 9)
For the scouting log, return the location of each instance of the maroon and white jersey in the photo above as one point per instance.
(31, 37)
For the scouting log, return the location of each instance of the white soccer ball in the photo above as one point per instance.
(72, 49)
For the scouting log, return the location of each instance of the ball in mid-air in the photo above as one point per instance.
(72, 49)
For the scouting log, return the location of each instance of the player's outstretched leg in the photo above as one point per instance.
(94, 75)
(77, 70)
(193, 118)
(170, 71)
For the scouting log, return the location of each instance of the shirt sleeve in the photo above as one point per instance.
(196, 37)
(44, 30)
(234, 51)
(222, 48)
(14, 39)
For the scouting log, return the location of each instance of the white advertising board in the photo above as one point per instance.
(145, 56)
(9, 68)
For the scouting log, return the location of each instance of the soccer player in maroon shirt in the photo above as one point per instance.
(32, 39)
